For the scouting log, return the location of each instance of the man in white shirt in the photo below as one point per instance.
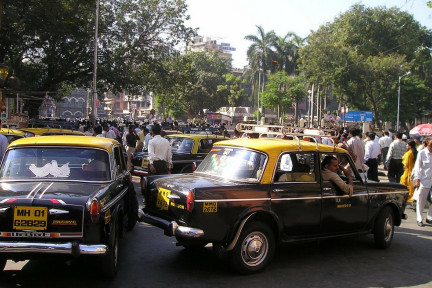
(147, 138)
(159, 150)
(422, 173)
(107, 133)
(384, 143)
(372, 150)
(357, 146)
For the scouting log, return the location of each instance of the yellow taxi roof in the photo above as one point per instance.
(38, 131)
(199, 136)
(6, 131)
(271, 146)
(66, 140)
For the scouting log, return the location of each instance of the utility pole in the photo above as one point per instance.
(94, 111)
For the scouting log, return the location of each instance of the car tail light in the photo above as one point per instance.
(194, 166)
(190, 201)
(94, 211)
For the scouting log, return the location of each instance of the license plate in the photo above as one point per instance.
(162, 198)
(30, 218)
(145, 162)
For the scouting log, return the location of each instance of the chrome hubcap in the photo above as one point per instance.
(388, 227)
(254, 249)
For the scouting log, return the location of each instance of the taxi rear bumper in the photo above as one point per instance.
(68, 248)
(170, 228)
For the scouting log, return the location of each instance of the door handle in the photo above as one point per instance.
(119, 187)
(326, 189)
(278, 190)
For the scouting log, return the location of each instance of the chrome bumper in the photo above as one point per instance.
(72, 248)
(170, 228)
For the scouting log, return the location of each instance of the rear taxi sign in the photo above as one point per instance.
(30, 218)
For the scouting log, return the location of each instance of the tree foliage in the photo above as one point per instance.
(363, 52)
(192, 82)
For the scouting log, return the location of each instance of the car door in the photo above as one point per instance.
(296, 194)
(341, 213)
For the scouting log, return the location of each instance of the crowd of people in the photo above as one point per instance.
(406, 159)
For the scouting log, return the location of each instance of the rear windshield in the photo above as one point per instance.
(234, 164)
(181, 144)
(56, 163)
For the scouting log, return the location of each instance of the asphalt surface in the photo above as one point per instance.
(150, 259)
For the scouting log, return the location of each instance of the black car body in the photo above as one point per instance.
(187, 149)
(65, 196)
(248, 194)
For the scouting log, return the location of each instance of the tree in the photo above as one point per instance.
(363, 53)
(192, 82)
(231, 89)
(260, 52)
(50, 43)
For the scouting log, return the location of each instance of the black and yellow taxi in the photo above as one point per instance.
(47, 131)
(12, 134)
(187, 150)
(249, 194)
(65, 197)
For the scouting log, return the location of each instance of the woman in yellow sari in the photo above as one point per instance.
(408, 161)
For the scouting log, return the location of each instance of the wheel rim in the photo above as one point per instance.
(254, 249)
(116, 250)
(388, 228)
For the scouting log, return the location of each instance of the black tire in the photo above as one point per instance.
(109, 262)
(254, 248)
(133, 209)
(384, 228)
(2, 264)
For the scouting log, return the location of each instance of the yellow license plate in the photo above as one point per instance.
(145, 162)
(30, 218)
(162, 198)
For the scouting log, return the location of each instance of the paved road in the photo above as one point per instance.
(150, 259)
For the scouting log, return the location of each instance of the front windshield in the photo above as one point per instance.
(234, 164)
(55, 163)
(181, 145)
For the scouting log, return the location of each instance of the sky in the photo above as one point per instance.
(230, 21)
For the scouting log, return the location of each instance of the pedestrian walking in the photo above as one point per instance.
(131, 140)
(394, 158)
(372, 150)
(357, 146)
(107, 133)
(384, 143)
(147, 138)
(159, 150)
(140, 139)
(408, 160)
(423, 181)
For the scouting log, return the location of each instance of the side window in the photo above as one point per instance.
(205, 145)
(119, 160)
(342, 160)
(296, 167)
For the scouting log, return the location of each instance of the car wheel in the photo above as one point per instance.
(254, 248)
(186, 169)
(109, 261)
(384, 228)
(2, 264)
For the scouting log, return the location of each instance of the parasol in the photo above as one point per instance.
(422, 129)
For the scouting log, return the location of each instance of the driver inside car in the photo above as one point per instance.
(330, 167)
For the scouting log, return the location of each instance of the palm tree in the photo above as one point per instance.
(297, 42)
(284, 55)
(260, 52)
